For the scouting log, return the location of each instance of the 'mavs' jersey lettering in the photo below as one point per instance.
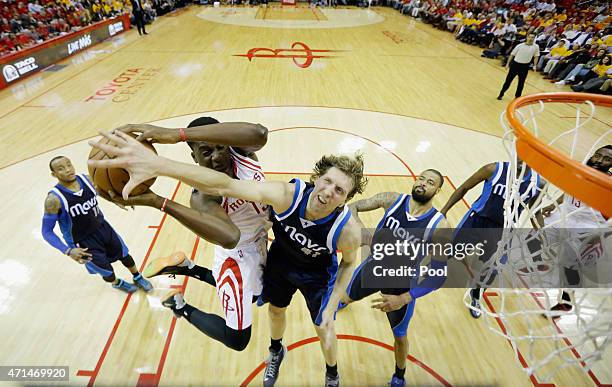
(79, 214)
(421, 227)
(309, 244)
(490, 204)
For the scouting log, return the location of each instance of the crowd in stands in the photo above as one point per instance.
(24, 24)
(575, 38)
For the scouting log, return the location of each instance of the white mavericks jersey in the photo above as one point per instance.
(252, 219)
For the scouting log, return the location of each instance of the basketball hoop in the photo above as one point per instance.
(538, 130)
(590, 186)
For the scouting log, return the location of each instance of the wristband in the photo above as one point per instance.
(68, 251)
(182, 135)
(163, 207)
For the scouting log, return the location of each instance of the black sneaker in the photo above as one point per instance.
(332, 381)
(174, 300)
(273, 364)
(475, 310)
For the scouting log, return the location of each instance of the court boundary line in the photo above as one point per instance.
(256, 107)
(152, 379)
(362, 339)
(93, 374)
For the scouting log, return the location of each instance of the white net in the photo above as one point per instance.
(553, 297)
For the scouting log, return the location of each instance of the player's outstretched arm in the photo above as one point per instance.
(205, 218)
(382, 200)
(143, 164)
(244, 135)
(348, 242)
(484, 173)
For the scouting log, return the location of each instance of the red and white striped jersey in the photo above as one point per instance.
(251, 218)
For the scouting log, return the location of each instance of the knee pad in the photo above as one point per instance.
(128, 261)
(111, 278)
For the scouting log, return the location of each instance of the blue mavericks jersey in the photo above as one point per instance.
(421, 227)
(490, 204)
(79, 214)
(307, 244)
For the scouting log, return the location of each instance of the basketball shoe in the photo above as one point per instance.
(143, 283)
(125, 286)
(273, 364)
(175, 263)
(174, 300)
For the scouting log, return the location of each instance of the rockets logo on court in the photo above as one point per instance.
(300, 53)
(309, 247)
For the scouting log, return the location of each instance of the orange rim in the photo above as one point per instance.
(584, 183)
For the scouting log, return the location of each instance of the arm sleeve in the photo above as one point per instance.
(48, 223)
(430, 283)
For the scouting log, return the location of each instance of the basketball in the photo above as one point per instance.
(114, 179)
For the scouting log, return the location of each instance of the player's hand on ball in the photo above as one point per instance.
(80, 255)
(152, 133)
(149, 198)
(389, 302)
(129, 154)
(111, 197)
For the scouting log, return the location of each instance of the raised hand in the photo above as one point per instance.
(151, 133)
(129, 154)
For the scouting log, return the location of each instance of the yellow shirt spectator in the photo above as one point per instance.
(469, 22)
(561, 17)
(601, 69)
(546, 23)
(560, 51)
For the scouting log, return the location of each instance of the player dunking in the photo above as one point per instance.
(415, 214)
(237, 227)
(88, 238)
(311, 222)
(488, 211)
(581, 221)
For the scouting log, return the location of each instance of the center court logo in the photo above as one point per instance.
(301, 54)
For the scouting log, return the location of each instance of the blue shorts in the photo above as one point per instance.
(398, 319)
(474, 228)
(282, 278)
(105, 246)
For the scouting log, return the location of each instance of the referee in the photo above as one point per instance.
(520, 58)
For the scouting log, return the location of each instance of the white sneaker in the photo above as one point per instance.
(561, 82)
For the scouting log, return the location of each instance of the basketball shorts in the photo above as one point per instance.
(238, 273)
(465, 233)
(282, 278)
(398, 319)
(572, 247)
(106, 247)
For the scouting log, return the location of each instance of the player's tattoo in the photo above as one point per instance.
(382, 200)
(52, 204)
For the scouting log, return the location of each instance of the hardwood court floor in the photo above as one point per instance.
(408, 96)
